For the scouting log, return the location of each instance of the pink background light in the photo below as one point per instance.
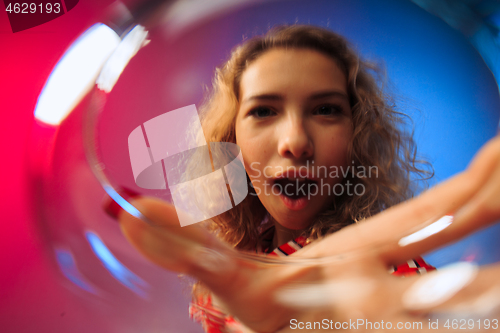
(31, 299)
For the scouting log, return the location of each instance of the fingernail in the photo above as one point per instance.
(432, 229)
(436, 288)
(320, 295)
(112, 208)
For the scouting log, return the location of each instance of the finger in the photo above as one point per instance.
(482, 186)
(153, 244)
(486, 160)
(483, 209)
(164, 216)
(456, 290)
(191, 250)
(382, 233)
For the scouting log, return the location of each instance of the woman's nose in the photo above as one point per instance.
(295, 140)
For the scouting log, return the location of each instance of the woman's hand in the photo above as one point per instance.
(352, 283)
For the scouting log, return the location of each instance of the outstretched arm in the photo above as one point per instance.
(353, 281)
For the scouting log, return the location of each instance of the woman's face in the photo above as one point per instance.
(294, 126)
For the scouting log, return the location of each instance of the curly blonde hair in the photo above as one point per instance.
(378, 141)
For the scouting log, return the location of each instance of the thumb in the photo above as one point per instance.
(189, 250)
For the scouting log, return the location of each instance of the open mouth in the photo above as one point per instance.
(295, 193)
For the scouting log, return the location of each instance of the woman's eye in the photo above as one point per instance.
(328, 110)
(261, 112)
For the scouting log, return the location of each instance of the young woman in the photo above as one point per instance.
(322, 146)
(300, 97)
(323, 149)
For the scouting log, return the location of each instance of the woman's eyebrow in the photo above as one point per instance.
(315, 96)
(327, 94)
(264, 97)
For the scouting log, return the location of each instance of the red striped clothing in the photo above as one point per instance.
(414, 266)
